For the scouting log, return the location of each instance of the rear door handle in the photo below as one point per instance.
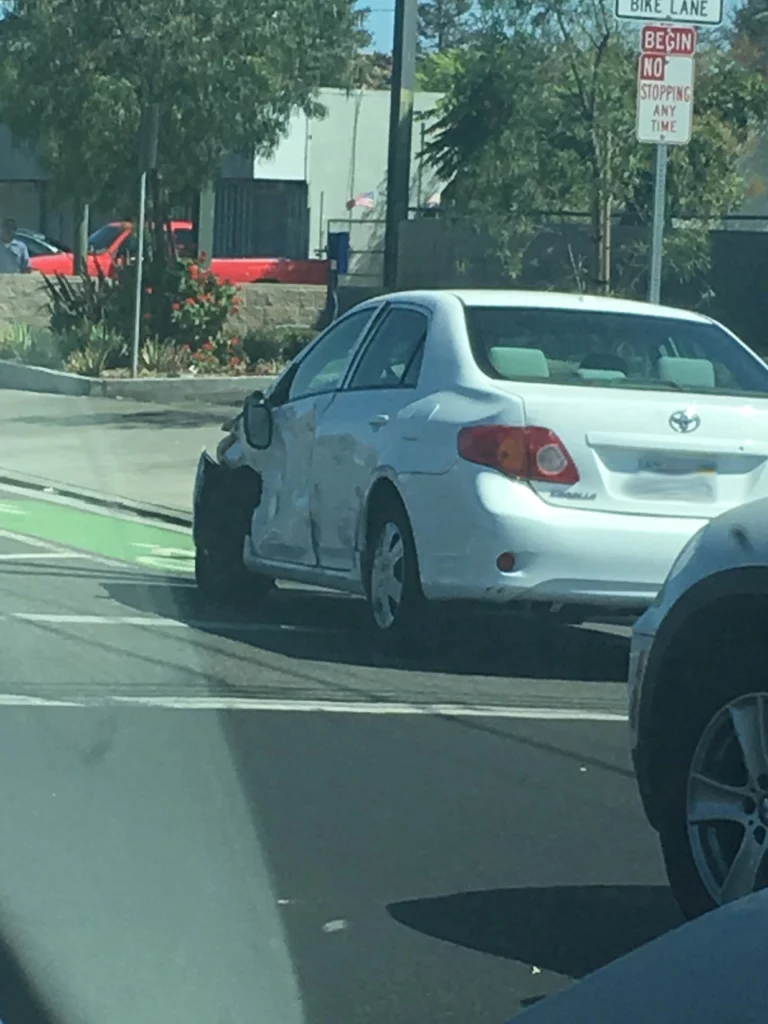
(379, 421)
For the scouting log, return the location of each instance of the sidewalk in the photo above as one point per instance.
(131, 450)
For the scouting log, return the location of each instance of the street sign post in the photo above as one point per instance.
(681, 12)
(664, 116)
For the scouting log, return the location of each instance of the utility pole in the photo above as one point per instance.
(149, 132)
(400, 131)
(80, 256)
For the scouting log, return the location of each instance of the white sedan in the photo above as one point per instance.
(555, 451)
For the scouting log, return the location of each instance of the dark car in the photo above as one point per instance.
(38, 244)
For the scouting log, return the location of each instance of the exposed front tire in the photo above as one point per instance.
(223, 580)
(399, 612)
(714, 823)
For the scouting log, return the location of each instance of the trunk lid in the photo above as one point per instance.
(652, 452)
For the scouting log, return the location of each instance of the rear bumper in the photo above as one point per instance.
(563, 555)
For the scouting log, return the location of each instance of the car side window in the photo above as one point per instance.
(393, 357)
(324, 366)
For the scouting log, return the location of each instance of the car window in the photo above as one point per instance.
(324, 366)
(104, 238)
(392, 352)
(35, 246)
(605, 349)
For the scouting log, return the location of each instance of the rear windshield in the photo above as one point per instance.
(591, 349)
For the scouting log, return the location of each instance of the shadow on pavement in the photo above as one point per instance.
(333, 628)
(572, 930)
(194, 416)
(20, 1001)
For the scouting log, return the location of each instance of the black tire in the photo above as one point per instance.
(223, 580)
(731, 675)
(408, 630)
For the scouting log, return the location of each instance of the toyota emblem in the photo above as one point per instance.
(684, 421)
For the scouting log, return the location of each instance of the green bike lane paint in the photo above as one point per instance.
(133, 541)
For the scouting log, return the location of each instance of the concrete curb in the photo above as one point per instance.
(164, 390)
(18, 377)
(37, 485)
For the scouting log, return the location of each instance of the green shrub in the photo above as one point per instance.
(99, 348)
(182, 303)
(295, 340)
(34, 346)
(77, 304)
(276, 345)
(163, 357)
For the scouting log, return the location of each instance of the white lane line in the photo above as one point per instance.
(374, 708)
(44, 545)
(164, 623)
(22, 700)
(32, 542)
(26, 556)
(326, 706)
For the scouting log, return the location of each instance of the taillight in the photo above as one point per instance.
(530, 453)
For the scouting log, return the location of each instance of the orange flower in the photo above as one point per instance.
(175, 307)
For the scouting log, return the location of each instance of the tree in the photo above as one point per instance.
(370, 71)
(226, 74)
(443, 24)
(539, 119)
(750, 34)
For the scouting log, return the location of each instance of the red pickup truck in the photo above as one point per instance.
(115, 241)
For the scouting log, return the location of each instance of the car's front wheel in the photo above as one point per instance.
(222, 579)
(398, 608)
(714, 829)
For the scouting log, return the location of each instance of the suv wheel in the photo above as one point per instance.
(714, 829)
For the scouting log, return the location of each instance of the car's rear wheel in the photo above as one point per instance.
(399, 611)
(714, 826)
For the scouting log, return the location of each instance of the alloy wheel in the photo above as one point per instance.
(387, 575)
(727, 800)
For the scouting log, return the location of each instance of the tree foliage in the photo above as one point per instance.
(444, 24)
(539, 118)
(226, 74)
(750, 34)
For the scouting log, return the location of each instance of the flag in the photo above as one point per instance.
(365, 200)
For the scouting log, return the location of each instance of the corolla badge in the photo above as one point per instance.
(684, 421)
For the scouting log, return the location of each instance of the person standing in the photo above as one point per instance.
(14, 255)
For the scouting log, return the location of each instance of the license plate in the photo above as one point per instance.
(661, 478)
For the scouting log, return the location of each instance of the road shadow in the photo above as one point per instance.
(571, 930)
(197, 415)
(21, 993)
(332, 628)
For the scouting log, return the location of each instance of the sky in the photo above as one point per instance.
(380, 22)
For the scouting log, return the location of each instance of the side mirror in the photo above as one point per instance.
(257, 421)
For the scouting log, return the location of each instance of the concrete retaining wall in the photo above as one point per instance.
(23, 300)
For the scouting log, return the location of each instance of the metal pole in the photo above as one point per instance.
(657, 231)
(139, 275)
(400, 131)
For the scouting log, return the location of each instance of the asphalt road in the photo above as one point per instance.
(229, 821)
